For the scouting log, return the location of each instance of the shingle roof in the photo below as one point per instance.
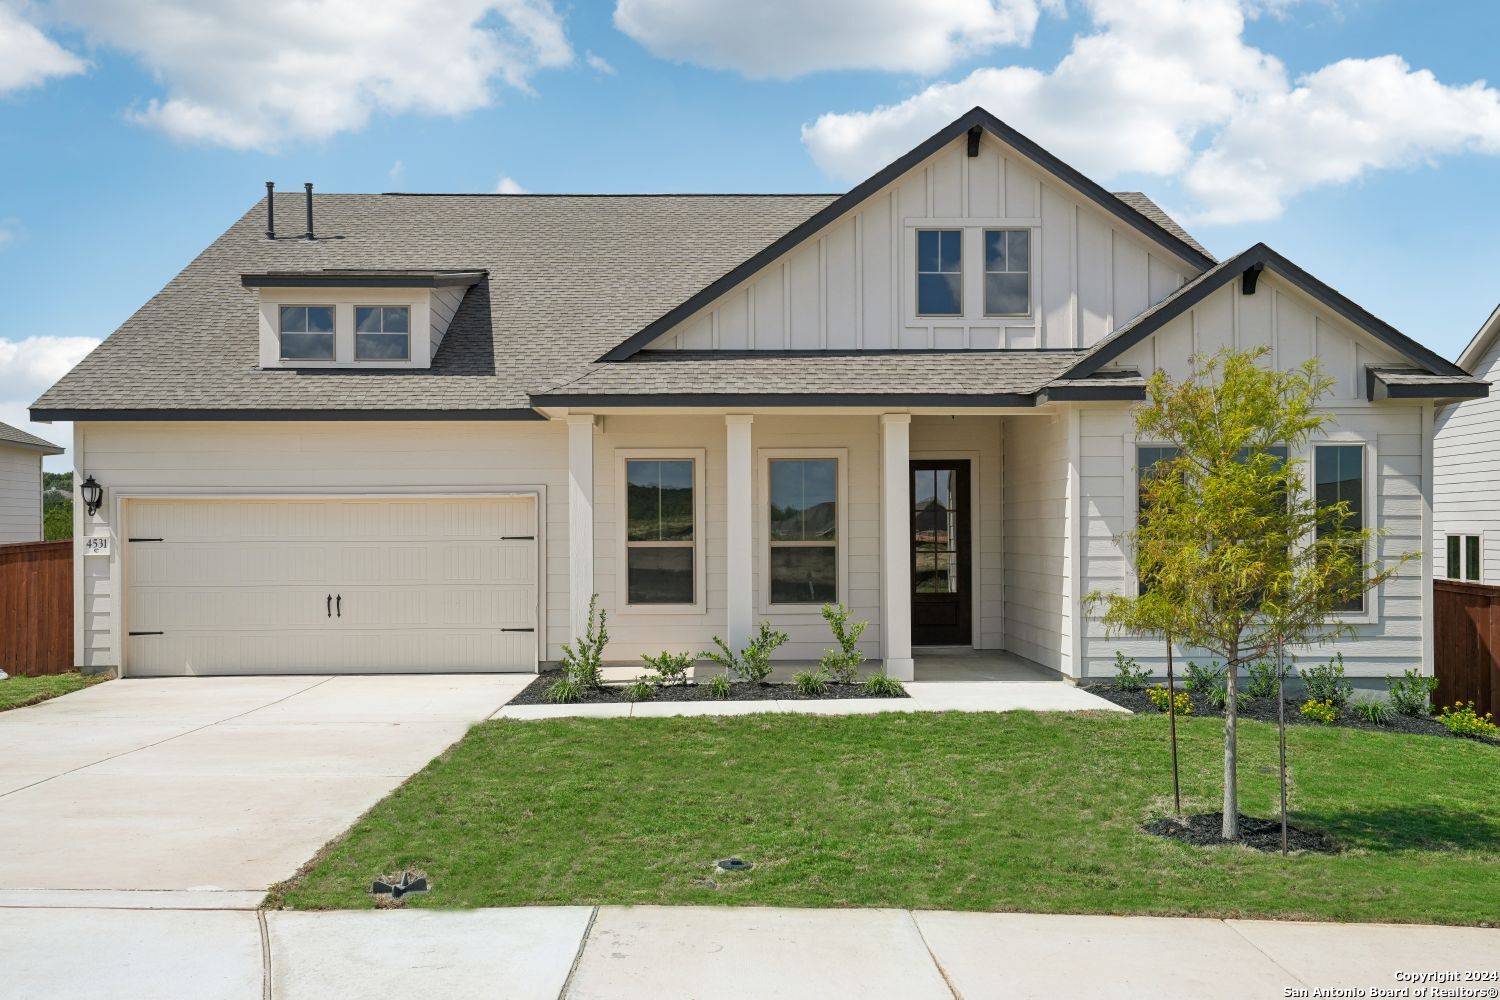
(969, 377)
(1151, 210)
(15, 437)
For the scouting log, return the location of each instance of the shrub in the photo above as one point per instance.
(585, 664)
(639, 690)
(564, 690)
(1182, 703)
(1262, 680)
(753, 663)
(718, 687)
(1327, 683)
(1130, 675)
(842, 664)
(884, 686)
(1462, 720)
(668, 668)
(1411, 693)
(1373, 710)
(810, 682)
(1325, 712)
(1202, 680)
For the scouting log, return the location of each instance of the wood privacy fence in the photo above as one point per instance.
(1466, 642)
(36, 608)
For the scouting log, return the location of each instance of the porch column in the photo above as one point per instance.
(738, 547)
(580, 522)
(895, 545)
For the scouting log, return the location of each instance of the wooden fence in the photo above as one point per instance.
(36, 608)
(1466, 641)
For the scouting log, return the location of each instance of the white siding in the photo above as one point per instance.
(20, 495)
(1466, 474)
(1036, 546)
(852, 286)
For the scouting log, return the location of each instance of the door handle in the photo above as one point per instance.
(330, 605)
(339, 605)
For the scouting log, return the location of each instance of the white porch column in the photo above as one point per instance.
(580, 522)
(738, 548)
(895, 545)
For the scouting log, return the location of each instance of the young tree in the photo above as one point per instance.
(1233, 550)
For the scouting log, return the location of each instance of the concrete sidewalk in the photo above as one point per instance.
(653, 952)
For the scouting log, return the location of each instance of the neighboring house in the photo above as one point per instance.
(423, 439)
(1466, 478)
(21, 484)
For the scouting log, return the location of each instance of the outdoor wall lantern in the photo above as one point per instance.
(93, 495)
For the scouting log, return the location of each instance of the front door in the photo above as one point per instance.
(940, 598)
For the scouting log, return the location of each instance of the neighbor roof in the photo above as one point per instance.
(14, 437)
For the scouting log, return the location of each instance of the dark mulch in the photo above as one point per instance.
(535, 693)
(1264, 710)
(1203, 829)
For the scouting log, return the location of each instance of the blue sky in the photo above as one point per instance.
(138, 131)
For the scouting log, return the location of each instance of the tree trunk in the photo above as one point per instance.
(1231, 828)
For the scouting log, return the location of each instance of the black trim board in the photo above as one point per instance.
(1464, 388)
(363, 279)
(45, 415)
(975, 117)
(786, 399)
(1090, 393)
(1196, 291)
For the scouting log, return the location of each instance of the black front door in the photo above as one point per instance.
(940, 598)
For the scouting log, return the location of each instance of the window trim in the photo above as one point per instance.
(406, 358)
(333, 335)
(985, 272)
(699, 458)
(762, 529)
(1370, 613)
(917, 272)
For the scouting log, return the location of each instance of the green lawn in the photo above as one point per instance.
(1021, 811)
(16, 692)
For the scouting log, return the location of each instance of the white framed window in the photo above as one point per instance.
(382, 333)
(1007, 272)
(661, 552)
(806, 523)
(1464, 558)
(306, 332)
(940, 272)
(1340, 473)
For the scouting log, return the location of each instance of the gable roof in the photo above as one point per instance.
(1484, 339)
(14, 437)
(1129, 208)
(1210, 281)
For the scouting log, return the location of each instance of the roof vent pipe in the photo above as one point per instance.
(308, 186)
(270, 210)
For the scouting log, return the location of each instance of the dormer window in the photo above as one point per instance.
(382, 333)
(306, 333)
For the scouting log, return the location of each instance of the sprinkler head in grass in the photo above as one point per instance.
(394, 887)
(734, 864)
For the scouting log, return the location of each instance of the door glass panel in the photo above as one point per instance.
(935, 531)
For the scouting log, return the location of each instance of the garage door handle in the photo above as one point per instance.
(518, 630)
(330, 605)
(338, 604)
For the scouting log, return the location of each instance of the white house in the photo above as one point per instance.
(421, 436)
(21, 484)
(1466, 474)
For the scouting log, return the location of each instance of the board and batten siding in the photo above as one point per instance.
(1466, 472)
(852, 286)
(1036, 548)
(20, 495)
(322, 457)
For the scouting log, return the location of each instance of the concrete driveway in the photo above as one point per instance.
(223, 785)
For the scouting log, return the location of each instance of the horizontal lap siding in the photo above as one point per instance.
(1466, 472)
(20, 495)
(1035, 541)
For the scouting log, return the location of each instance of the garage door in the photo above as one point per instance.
(330, 586)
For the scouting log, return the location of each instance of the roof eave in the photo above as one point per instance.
(44, 414)
(786, 399)
(320, 279)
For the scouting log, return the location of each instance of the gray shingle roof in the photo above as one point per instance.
(1151, 210)
(15, 437)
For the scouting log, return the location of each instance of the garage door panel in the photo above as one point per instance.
(472, 651)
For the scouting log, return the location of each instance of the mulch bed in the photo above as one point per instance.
(535, 693)
(1202, 830)
(1264, 710)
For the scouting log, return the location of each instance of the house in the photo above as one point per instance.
(1466, 472)
(420, 431)
(21, 457)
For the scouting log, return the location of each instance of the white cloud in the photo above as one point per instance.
(507, 185)
(10, 230)
(397, 171)
(252, 76)
(1171, 88)
(27, 369)
(598, 64)
(28, 57)
(788, 38)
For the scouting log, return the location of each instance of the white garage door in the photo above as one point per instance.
(330, 586)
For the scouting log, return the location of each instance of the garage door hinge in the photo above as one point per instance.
(518, 630)
(518, 538)
(148, 633)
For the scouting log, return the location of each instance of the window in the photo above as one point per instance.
(804, 531)
(1007, 272)
(660, 531)
(1147, 456)
(382, 333)
(1467, 568)
(940, 261)
(1339, 476)
(307, 333)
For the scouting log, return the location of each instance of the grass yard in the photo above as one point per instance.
(17, 692)
(1021, 811)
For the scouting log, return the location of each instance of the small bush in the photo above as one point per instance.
(668, 668)
(718, 687)
(753, 663)
(1202, 680)
(1327, 683)
(1373, 711)
(1325, 712)
(810, 682)
(842, 664)
(565, 690)
(585, 664)
(1130, 675)
(1462, 720)
(884, 686)
(1163, 699)
(639, 690)
(1262, 680)
(1411, 693)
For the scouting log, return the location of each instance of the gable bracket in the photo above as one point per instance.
(974, 134)
(1250, 277)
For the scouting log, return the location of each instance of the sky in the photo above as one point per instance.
(1358, 137)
